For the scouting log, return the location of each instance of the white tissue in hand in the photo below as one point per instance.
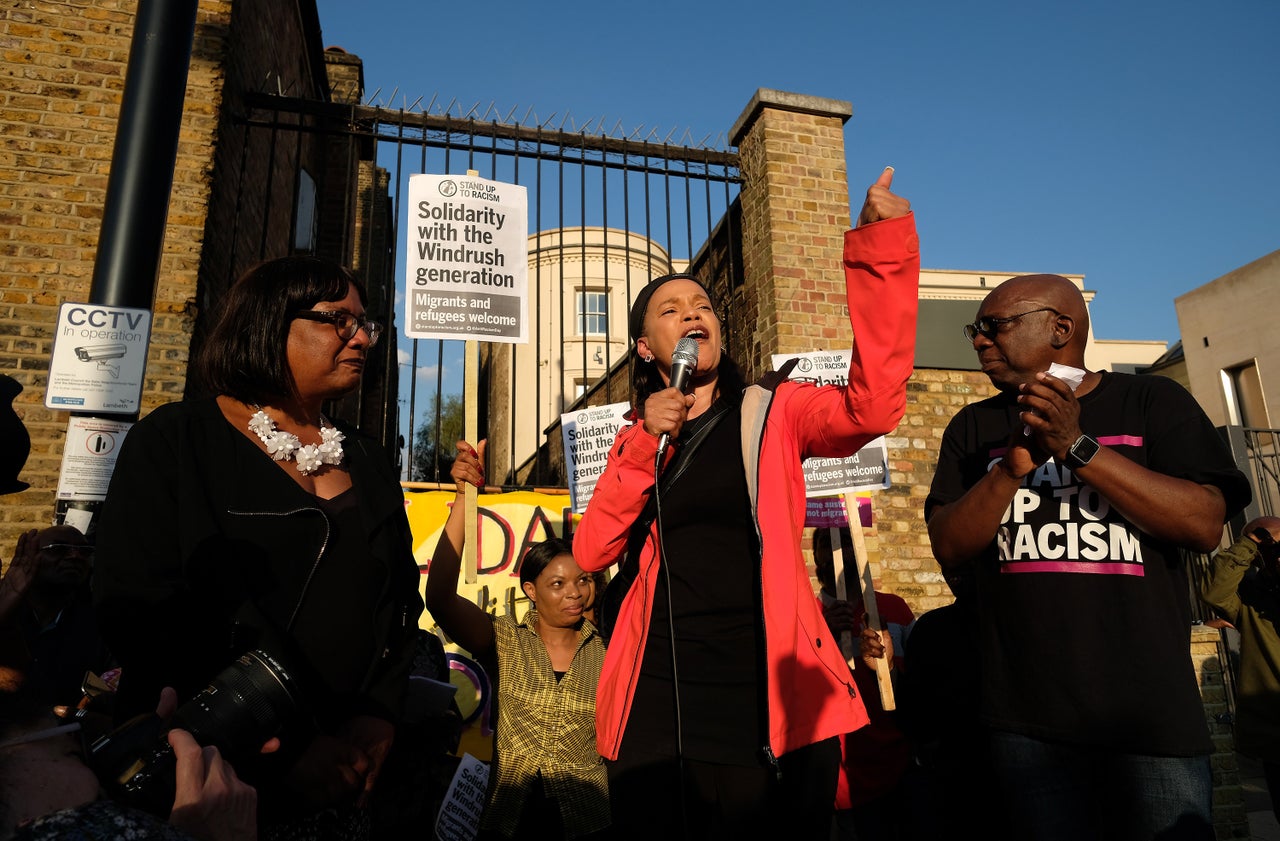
(1071, 376)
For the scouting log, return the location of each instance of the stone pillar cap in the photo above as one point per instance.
(783, 101)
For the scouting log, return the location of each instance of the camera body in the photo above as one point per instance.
(246, 704)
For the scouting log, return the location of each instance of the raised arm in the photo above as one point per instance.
(463, 620)
(882, 281)
(17, 579)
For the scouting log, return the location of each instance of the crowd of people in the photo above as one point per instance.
(229, 657)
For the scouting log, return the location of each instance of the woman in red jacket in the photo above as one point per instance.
(723, 691)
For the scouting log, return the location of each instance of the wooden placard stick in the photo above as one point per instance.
(470, 434)
(471, 426)
(883, 678)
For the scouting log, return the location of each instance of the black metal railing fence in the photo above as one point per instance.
(360, 157)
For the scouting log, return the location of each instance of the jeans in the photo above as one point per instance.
(1057, 791)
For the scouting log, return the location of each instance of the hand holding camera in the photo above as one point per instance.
(210, 802)
(1265, 531)
(239, 713)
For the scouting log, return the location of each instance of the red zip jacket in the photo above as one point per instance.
(811, 694)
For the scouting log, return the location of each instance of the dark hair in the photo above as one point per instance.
(821, 539)
(824, 555)
(541, 554)
(245, 354)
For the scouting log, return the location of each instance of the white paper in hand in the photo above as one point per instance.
(1071, 376)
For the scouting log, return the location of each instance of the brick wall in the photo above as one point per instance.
(903, 562)
(1208, 654)
(63, 67)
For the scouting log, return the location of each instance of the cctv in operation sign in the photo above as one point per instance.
(466, 266)
(99, 358)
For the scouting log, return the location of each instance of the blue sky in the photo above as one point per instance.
(1136, 143)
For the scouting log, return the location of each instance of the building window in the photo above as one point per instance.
(1245, 405)
(593, 313)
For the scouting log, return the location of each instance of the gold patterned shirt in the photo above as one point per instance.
(546, 728)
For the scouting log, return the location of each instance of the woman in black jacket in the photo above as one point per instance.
(248, 521)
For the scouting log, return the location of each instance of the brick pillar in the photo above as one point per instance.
(1208, 655)
(795, 210)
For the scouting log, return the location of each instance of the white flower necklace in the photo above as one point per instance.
(283, 446)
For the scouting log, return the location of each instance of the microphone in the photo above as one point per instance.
(683, 362)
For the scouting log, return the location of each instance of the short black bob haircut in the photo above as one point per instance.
(245, 354)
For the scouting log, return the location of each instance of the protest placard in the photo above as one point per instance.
(466, 266)
(866, 469)
(588, 434)
(459, 818)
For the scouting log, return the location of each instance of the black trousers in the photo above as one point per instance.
(662, 797)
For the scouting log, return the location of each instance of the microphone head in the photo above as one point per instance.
(686, 353)
(683, 362)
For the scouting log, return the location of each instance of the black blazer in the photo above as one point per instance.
(200, 531)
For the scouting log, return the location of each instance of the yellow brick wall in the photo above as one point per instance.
(63, 69)
(1208, 654)
(795, 210)
(904, 561)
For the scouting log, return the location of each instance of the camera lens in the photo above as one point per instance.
(245, 705)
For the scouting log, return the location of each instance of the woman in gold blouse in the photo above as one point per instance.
(548, 781)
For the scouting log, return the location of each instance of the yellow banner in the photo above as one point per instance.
(508, 524)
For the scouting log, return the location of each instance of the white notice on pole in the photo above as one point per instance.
(99, 358)
(89, 457)
(466, 265)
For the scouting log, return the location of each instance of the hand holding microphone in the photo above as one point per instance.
(663, 414)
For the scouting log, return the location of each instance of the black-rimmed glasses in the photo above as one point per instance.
(346, 324)
(64, 549)
(989, 326)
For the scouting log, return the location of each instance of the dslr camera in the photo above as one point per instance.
(247, 703)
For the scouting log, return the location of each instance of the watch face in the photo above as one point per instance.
(1081, 452)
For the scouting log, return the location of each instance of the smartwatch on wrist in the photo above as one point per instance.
(1081, 452)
